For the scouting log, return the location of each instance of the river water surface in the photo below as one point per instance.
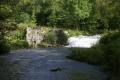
(46, 64)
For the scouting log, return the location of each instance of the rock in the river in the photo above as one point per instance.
(34, 37)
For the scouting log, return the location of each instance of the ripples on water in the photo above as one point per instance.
(9, 70)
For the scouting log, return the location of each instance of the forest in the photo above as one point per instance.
(78, 17)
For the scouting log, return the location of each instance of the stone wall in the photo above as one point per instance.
(34, 37)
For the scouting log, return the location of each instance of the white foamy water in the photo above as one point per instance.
(83, 41)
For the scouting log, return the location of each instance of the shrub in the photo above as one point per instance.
(110, 44)
(4, 48)
(56, 37)
(18, 44)
(16, 39)
(61, 37)
(110, 37)
(89, 55)
(51, 38)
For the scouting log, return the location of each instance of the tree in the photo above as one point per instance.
(69, 12)
(107, 11)
(6, 10)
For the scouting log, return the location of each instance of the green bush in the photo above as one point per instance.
(16, 39)
(110, 37)
(56, 38)
(4, 48)
(18, 44)
(51, 38)
(61, 38)
(110, 44)
(89, 55)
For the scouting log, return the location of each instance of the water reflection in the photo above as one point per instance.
(9, 70)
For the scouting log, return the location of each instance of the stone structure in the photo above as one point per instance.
(34, 37)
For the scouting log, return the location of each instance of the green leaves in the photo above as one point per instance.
(108, 11)
(69, 12)
(83, 8)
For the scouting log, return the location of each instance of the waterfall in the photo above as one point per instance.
(83, 41)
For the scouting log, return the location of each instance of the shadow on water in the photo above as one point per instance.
(9, 70)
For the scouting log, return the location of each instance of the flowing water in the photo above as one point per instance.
(83, 41)
(46, 64)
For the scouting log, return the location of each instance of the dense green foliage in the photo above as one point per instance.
(51, 38)
(89, 55)
(5, 13)
(56, 37)
(106, 54)
(84, 14)
(93, 16)
(106, 12)
(111, 47)
(66, 13)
